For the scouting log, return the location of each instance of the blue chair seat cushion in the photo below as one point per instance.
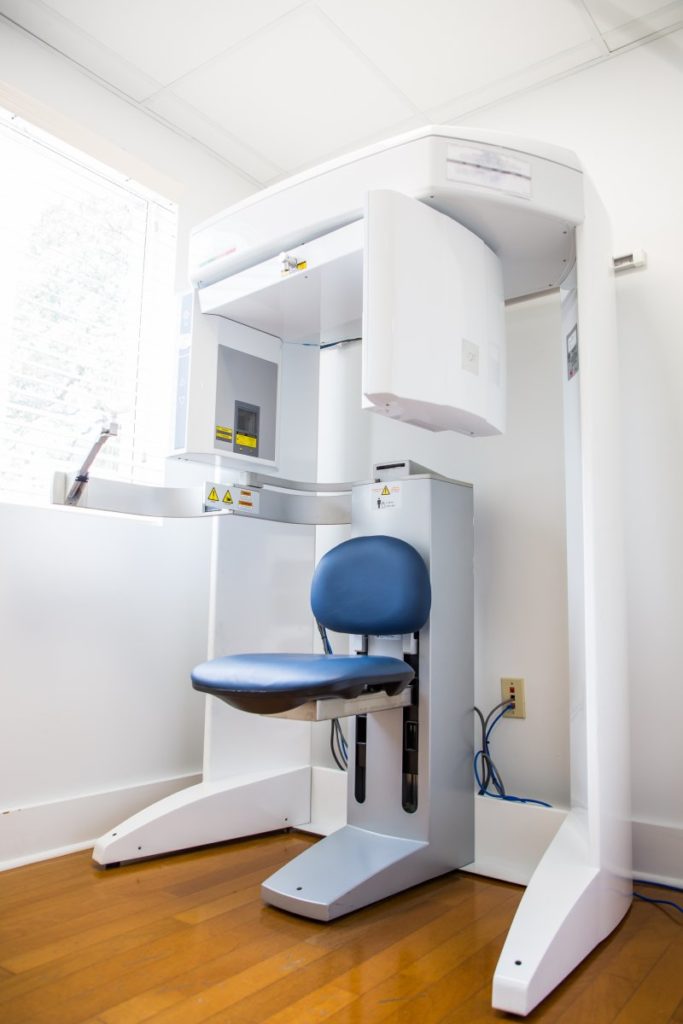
(268, 684)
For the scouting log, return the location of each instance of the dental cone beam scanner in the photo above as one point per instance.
(415, 244)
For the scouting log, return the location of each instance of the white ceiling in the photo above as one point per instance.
(273, 86)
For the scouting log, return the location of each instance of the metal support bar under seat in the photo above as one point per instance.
(334, 707)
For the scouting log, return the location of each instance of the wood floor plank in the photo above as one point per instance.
(337, 960)
(600, 1001)
(78, 931)
(94, 988)
(111, 894)
(187, 939)
(224, 994)
(446, 995)
(318, 1006)
(452, 937)
(389, 913)
(96, 955)
(657, 997)
(411, 980)
(184, 981)
(77, 872)
(283, 991)
(621, 973)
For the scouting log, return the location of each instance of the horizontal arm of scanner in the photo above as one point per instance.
(272, 499)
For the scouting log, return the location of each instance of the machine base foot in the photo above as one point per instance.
(568, 908)
(211, 812)
(348, 870)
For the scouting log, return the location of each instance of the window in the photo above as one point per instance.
(87, 261)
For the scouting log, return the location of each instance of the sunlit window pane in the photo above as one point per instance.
(86, 296)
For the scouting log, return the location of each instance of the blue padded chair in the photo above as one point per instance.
(374, 586)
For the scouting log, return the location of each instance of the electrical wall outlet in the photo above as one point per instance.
(513, 689)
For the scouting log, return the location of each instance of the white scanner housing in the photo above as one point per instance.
(433, 328)
(414, 243)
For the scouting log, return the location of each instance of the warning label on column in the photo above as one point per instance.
(386, 496)
(218, 497)
(247, 501)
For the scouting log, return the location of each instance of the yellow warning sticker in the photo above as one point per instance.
(247, 501)
(384, 496)
(246, 440)
(229, 501)
(223, 433)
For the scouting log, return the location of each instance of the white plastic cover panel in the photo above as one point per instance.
(522, 198)
(433, 323)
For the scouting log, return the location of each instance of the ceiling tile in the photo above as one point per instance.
(436, 50)
(504, 88)
(168, 38)
(182, 115)
(296, 92)
(652, 18)
(609, 14)
(66, 38)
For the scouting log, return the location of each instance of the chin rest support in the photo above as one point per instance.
(374, 586)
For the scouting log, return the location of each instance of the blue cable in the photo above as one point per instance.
(479, 753)
(497, 719)
(657, 885)
(663, 903)
(484, 753)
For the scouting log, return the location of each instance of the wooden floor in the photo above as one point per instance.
(187, 939)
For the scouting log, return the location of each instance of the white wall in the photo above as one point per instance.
(520, 575)
(101, 617)
(520, 579)
(623, 118)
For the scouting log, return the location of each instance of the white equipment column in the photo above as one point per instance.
(582, 887)
(385, 847)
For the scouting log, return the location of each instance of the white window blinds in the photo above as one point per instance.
(86, 308)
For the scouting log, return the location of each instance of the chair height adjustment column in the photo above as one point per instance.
(361, 758)
(411, 735)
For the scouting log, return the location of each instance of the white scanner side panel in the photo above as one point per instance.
(433, 320)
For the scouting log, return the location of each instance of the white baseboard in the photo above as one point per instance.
(41, 831)
(510, 838)
(328, 801)
(658, 853)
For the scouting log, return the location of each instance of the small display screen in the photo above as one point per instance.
(247, 421)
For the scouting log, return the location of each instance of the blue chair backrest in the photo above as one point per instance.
(372, 585)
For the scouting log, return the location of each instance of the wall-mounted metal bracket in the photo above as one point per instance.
(630, 260)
